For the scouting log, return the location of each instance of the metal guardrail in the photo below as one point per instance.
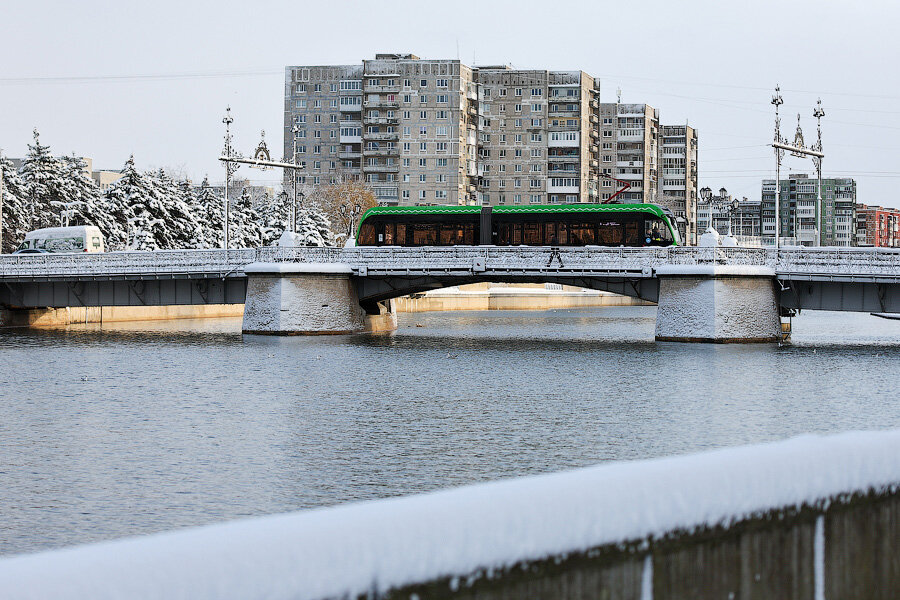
(830, 261)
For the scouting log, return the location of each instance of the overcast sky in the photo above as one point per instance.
(108, 79)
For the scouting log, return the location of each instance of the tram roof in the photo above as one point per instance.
(534, 208)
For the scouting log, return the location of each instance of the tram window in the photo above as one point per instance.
(424, 234)
(389, 234)
(582, 234)
(504, 234)
(633, 234)
(401, 234)
(532, 234)
(550, 237)
(367, 235)
(516, 234)
(656, 233)
(609, 234)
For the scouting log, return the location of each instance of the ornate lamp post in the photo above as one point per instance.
(230, 168)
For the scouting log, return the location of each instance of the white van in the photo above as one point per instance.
(82, 238)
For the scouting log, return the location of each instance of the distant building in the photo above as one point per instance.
(797, 207)
(877, 226)
(105, 179)
(440, 132)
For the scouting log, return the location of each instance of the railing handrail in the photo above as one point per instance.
(849, 261)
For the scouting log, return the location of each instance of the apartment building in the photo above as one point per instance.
(837, 214)
(537, 141)
(877, 226)
(440, 132)
(678, 189)
(659, 162)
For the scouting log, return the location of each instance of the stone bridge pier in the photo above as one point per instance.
(717, 303)
(309, 299)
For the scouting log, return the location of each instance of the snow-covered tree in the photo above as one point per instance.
(149, 211)
(208, 209)
(14, 208)
(42, 181)
(245, 224)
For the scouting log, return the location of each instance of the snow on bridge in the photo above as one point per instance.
(865, 263)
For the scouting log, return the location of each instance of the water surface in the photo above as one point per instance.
(135, 428)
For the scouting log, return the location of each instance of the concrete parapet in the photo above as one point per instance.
(301, 299)
(717, 304)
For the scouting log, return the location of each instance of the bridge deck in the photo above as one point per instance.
(817, 278)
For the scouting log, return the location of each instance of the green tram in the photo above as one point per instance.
(533, 225)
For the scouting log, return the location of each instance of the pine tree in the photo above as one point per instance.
(245, 223)
(14, 208)
(42, 179)
(209, 210)
(80, 197)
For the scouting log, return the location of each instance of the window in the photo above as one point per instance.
(423, 114)
(537, 122)
(351, 85)
(517, 199)
(517, 182)
(317, 134)
(518, 138)
(607, 146)
(537, 92)
(503, 151)
(517, 123)
(518, 168)
(441, 178)
(518, 108)
(405, 163)
(536, 168)
(406, 146)
(535, 108)
(406, 83)
(333, 103)
(317, 104)
(440, 194)
(423, 83)
(406, 194)
(536, 152)
(442, 162)
(502, 91)
(518, 152)
(301, 103)
(440, 130)
(407, 98)
(317, 118)
(441, 114)
(503, 140)
(317, 149)
(535, 199)
(423, 146)
(518, 91)
(422, 178)
(607, 133)
(443, 99)
(423, 99)
(301, 88)
(301, 119)
(537, 137)
(423, 130)
(406, 131)
(423, 162)
(442, 83)
(317, 87)
(333, 118)
(334, 87)
(442, 146)
(317, 164)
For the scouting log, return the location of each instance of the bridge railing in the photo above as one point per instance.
(835, 261)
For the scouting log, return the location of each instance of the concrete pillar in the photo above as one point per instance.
(301, 299)
(721, 304)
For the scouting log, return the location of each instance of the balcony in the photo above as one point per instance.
(562, 189)
(385, 193)
(381, 88)
(381, 168)
(350, 139)
(381, 104)
(564, 158)
(380, 151)
(351, 123)
(349, 155)
(381, 120)
(393, 135)
(630, 163)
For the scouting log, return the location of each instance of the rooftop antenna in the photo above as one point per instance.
(619, 95)
(457, 48)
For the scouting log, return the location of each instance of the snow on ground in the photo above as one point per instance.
(352, 548)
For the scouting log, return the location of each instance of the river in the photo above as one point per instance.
(133, 428)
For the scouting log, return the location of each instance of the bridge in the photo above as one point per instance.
(704, 294)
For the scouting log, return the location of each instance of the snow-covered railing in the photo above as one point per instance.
(802, 499)
(825, 261)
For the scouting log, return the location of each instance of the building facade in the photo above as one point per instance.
(877, 226)
(440, 132)
(837, 214)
